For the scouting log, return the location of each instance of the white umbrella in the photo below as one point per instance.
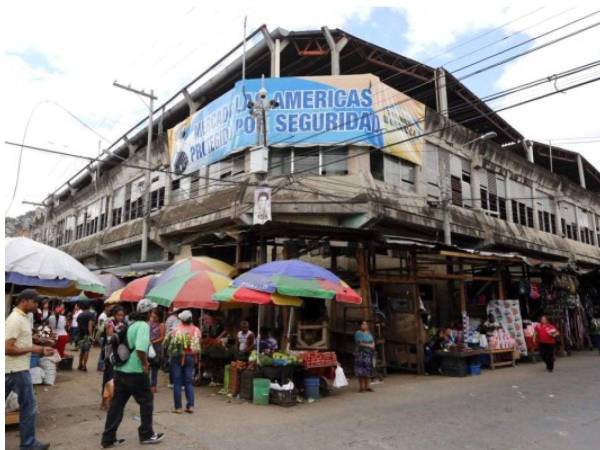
(29, 258)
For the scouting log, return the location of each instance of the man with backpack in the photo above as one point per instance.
(130, 355)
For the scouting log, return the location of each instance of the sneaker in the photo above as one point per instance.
(154, 439)
(116, 443)
(41, 446)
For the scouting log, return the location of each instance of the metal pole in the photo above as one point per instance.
(289, 331)
(146, 224)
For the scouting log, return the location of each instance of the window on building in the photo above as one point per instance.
(195, 183)
(585, 220)
(431, 155)
(522, 204)
(376, 157)
(306, 161)
(334, 161)
(280, 162)
(456, 188)
(118, 206)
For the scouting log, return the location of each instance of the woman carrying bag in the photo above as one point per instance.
(183, 347)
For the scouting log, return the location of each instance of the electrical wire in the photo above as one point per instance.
(408, 98)
(369, 150)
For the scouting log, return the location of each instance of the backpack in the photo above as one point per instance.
(117, 350)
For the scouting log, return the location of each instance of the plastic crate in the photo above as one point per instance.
(234, 381)
(283, 398)
(454, 367)
(247, 382)
(474, 369)
(66, 363)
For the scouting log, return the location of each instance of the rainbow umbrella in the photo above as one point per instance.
(136, 290)
(191, 290)
(192, 265)
(115, 297)
(297, 279)
(245, 295)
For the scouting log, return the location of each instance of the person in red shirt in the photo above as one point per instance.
(546, 334)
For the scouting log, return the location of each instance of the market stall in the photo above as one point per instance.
(284, 283)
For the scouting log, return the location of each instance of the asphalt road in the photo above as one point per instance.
(510, 408)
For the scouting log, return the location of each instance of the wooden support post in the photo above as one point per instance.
(363, 274)
(462, 293)
(501, 293)
(417, 311)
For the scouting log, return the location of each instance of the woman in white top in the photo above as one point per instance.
(245, 341)
(58, 324)
(74, 329)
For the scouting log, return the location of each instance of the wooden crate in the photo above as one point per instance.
(11, 418)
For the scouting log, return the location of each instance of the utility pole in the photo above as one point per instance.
(145, 224)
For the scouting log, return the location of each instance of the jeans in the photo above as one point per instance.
(155, 365)
(74, 336)
(20, 383)
(127, 385)
(107, 375)
(183, 375)
(547, 354)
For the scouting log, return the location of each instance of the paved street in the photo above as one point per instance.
(511, 408)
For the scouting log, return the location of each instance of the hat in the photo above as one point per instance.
(29, 294)
(185, 316)
(145, 305)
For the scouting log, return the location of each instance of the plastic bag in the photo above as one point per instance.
(12, 402)
(37, 375)
(49, 368)
(55, 357)
(151, 352)
(340, 380)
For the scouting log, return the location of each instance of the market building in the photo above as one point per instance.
(443, 205)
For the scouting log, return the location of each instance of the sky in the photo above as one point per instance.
(58, 61)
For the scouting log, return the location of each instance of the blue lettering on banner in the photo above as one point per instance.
(309, 112)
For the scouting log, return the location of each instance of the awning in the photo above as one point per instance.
(135, 270)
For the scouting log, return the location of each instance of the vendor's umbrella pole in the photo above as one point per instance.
(289, 330)
(258, 336)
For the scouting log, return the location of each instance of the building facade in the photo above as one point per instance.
(502, 194)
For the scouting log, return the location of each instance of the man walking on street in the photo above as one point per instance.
(86, 322)
(131, 379)
(18, 349)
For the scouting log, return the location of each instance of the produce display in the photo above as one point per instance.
(315, 359)
(213, 348)
(181, 343)
(276, 359)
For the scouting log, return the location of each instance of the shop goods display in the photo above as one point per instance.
(508, 314)
(312, 360)
(501, 340)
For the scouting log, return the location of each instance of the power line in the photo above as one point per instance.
(527, 41)
(510, 36)
(292, 143)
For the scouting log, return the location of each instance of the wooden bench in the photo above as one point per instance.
(502, 351)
